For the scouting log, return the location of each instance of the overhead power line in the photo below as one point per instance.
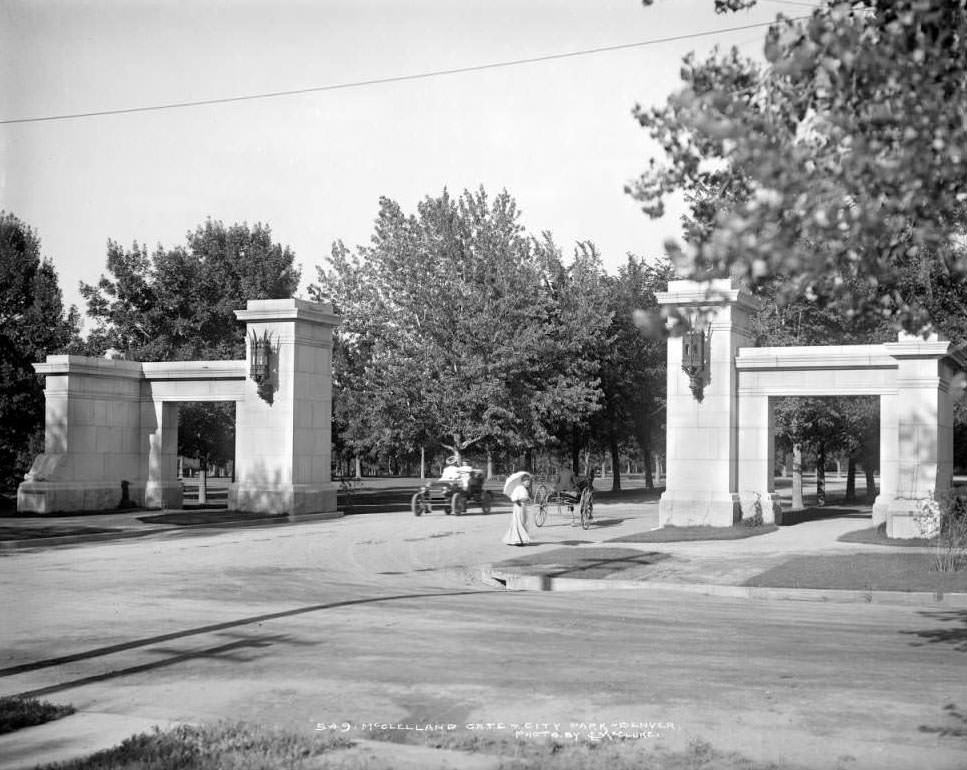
(390, 79)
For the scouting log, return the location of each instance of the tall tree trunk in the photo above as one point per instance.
(359, 468)
(575, 452)
(851, 480)
(870, 482)
(659, 469)
(821, 475)
(615, 464)
(422, 462)
(644, 442)
(490, 464)
(202, 483)
(797, 501)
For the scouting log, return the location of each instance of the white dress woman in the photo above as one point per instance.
(517, 533)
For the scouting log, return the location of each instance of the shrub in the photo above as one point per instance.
(17, 712)
(944, 521)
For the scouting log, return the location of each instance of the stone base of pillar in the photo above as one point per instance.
(67, 496)
(293, 499)
(766, 503)
(163, 494)
(880, 508)
(901, 519)
(684, 508)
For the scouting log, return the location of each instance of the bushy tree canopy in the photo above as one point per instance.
(180, 303)
(33, 324)
(460, 329)
(842, 162)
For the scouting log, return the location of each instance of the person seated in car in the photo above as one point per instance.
(451, 473)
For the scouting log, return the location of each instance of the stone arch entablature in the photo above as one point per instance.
(721, 437)
(110, 421)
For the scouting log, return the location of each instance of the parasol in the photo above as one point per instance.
(515, 480)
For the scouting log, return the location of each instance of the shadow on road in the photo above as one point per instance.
(791, 518)
(955, 635)
(136, 643)
(223, 652)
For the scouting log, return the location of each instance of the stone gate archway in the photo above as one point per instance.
(720, 427)
(110, 421)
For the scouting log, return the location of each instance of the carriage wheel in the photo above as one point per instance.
(457, 504)
(587, 505)
(541, 498)
(486, 501)
(417, 505)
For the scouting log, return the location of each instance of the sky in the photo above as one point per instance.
(558, 135)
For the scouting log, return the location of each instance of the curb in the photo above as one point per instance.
(40, 542)
(513, 581)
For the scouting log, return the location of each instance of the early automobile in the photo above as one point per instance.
(453, 495)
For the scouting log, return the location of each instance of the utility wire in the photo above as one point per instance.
(392, 79)
(792, 2)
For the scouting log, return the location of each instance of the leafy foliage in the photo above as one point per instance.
(461, 330)
(33, 323)
(842, 162)
(180, 304)
(633, 364)
(17, 712)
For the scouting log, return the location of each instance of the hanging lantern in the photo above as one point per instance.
(260, 364)
(694, 360)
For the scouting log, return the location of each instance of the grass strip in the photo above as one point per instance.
(218, 746)
(17, 712)
(877, 536)
(863, 572)
(671, 534)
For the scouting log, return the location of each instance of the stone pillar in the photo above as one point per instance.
(757, 458)
(924, 468)
(283, 448)
(702, 442)
(91, 437)
(889, 454)
(159, 429)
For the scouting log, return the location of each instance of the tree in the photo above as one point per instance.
(33, 324)
(841, 161)
(460, 330)
(633, 364)
(179, 304)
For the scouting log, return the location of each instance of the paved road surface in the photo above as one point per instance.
(382, 619)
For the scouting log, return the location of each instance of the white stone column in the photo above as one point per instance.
(702, 442)
(159, 430)
(889, 454)
(757, 458)
(283, 448)
(924, 428)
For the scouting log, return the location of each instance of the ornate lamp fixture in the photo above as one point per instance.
(695, 360)
(260, 368)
